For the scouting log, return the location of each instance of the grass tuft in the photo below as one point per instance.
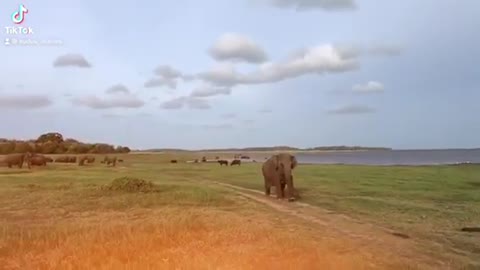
(130, 184)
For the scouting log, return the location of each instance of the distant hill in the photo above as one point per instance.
(54, 143)
(274, 148)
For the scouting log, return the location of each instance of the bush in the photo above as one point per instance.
(129, 184)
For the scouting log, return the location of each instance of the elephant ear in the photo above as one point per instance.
(294, 162)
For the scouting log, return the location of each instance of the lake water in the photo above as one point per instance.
(394, 157)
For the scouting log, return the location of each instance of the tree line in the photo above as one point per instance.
(54, 143)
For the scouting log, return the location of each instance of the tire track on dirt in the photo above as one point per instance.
(363, 234)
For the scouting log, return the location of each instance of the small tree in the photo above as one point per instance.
(50, 137)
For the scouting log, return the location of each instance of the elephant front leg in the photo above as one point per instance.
(282, 186)
(290, 189)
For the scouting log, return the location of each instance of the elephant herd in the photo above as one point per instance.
(30, 159)
(276, 170)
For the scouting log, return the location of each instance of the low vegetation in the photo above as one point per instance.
(147, 213)
(54, 143)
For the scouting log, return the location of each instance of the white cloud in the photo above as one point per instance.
(315, 60)
(174, 104)
(24, 102)
(158, 82)
(197, 103)
(375, 49)
(351, 109)
(165, 71)
(185, 101)
(209, 91)
(328, 5)
(369, 87)
(72, 60)
(167, 76)
(237, 47)
(117, 89)
(123, 101)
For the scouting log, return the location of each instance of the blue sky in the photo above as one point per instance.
(207, 74)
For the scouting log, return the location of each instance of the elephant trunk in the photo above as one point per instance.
(289, 182)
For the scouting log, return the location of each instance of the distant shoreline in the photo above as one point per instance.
(304, 151)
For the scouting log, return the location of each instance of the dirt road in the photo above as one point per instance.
(395, 248)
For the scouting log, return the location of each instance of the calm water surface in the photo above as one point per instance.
(394, 157)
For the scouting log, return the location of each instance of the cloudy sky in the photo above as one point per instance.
(205, 74)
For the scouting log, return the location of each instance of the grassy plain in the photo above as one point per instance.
(59, 217)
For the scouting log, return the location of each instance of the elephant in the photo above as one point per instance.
(66, 159)
(110, 160)
(223, 162)
(277, 172)
(17, 159)
(235, 162)
(173, 161)
(90, 159)
(204, 159)
(82, 160)
(63, 159)
(38, 160)
(85, 159)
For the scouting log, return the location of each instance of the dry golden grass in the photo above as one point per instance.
(59, 217)
(170, 238)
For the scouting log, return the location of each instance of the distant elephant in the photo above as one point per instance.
(217, 158)
(204, 159)
(277, 172)
(120, 160)
(173, 161)
(195, 161)
(85, 159)
(235, 162)
(38, 160)
(110, 160)
(63, 159)
(17, 159)
(223, 162)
